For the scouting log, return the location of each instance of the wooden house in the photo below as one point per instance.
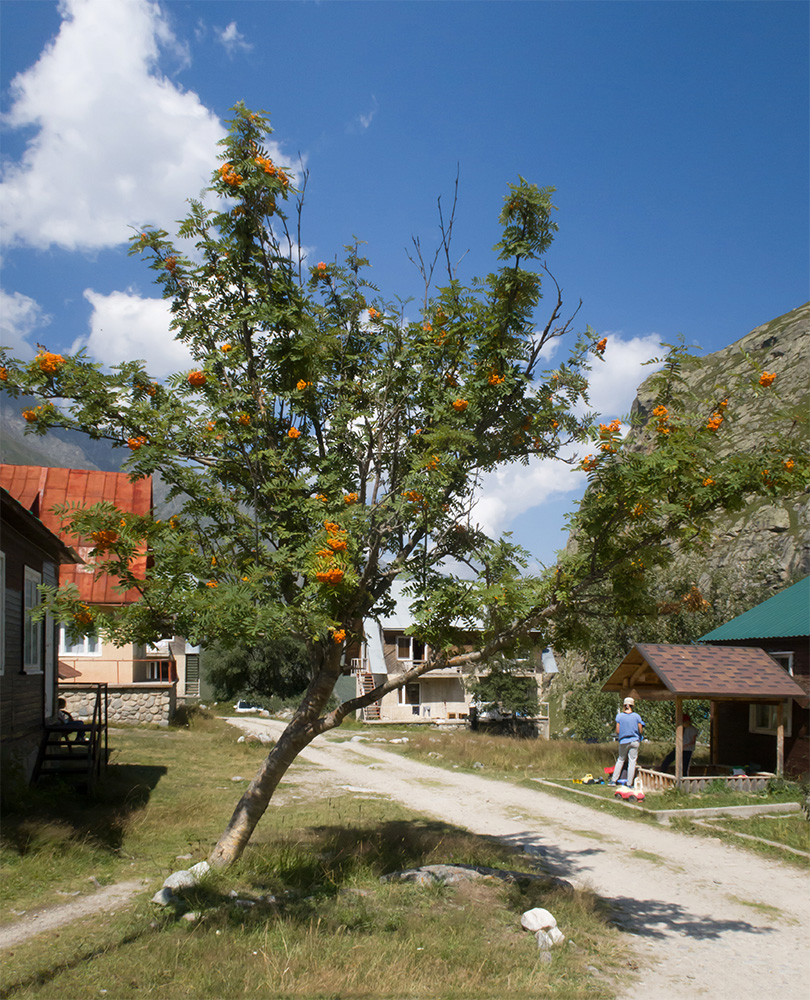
(30, 554)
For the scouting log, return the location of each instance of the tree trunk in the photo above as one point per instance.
(301, 731)
(251, 807)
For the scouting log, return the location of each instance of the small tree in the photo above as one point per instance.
(278, 668)
(325, 444)
(504, 685)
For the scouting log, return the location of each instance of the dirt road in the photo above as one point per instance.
(706, 919)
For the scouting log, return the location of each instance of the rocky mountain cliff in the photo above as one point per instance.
(767, 542)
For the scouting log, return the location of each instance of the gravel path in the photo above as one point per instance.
(106, 900)
(707, 919)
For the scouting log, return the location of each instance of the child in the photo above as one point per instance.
(630, 730)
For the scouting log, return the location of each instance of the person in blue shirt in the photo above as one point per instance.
(630, 730)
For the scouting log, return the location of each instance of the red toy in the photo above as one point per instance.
(629, 795)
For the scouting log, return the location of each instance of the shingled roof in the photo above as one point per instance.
(734, 673)
(785, 614)
(39, 489)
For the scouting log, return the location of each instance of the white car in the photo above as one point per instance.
(246, 706)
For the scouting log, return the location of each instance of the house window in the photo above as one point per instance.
(784, 660)
(84, 645)
(409, 648)
(32, 635)
(412, 694)
(762, 719)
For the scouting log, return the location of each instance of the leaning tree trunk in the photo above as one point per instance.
(300, 732)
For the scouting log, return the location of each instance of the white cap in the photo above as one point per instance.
(629, 701)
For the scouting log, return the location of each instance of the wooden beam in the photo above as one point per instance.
(713, 732)
(678, 741)
(638, 673)
(780, 739)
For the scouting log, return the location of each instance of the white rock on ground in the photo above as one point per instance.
(537, 919)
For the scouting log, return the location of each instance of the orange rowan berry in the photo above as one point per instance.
(104, 539)
(338, 636)
(460, 405)
(197, 378)
(134, 443)
(350, 498)
(767, 378)
(601, 345)
(226, 347)
(49, 363)
(293, 433)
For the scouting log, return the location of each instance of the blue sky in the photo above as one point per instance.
(676, 135)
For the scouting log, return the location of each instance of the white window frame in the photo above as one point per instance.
(32, 631)
(784, 659)
(69, 649)
(409, 639)
(767, 730)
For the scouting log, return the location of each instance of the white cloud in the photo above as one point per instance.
(117, 144)
(513, 489)
(124, 325)
(232, 39)
(20, 315)
(613, 381)
(362, 122)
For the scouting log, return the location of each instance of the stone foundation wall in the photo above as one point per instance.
(132, 703)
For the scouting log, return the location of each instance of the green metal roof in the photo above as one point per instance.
(785, 614)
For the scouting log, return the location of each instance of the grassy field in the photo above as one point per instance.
(303, 914)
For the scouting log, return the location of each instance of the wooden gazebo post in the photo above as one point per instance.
(678, 741)
(780, 739)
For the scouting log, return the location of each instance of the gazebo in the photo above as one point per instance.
(713, 673)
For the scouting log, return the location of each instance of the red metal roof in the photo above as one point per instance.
(40, 489)
(720, 672)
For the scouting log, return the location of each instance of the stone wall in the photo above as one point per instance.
(132, 703)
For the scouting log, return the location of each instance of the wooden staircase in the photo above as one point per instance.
(75, 750)
(372, 711)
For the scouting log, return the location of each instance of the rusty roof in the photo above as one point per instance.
(39, 489)
(660, 672)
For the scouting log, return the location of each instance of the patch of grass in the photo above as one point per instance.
(303, 914)
(656, 859)
(725, 831)
(791, 829)
(770, 911)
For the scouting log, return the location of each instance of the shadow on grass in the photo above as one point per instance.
(125, 789)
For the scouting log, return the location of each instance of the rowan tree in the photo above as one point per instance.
(327, 442)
